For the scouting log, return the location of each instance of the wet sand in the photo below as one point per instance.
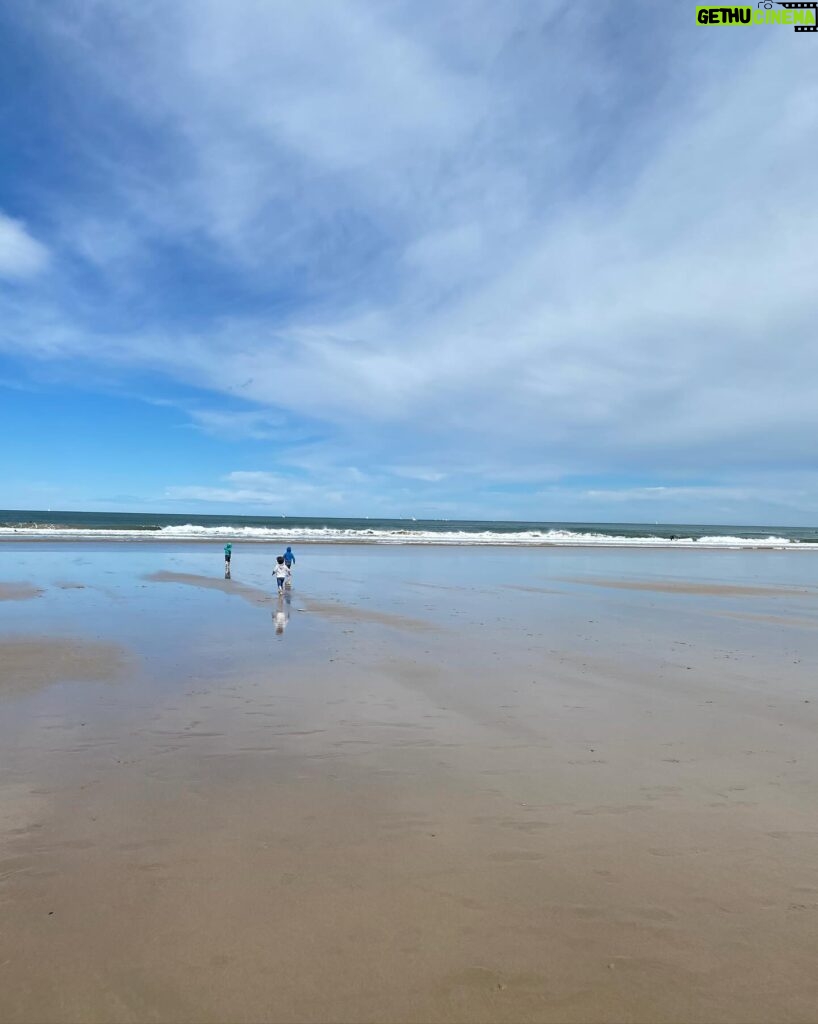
(255, 595)
(18, 591)
(31, 662)
(481, 786)
(675, 587)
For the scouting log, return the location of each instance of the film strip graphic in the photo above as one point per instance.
(812, 5)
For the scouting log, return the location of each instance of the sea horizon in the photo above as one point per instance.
(17, 524)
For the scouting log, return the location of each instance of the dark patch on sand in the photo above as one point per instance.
(773, 620)
(255, 595)
(28, 663)
(18, 591)
(691, 587)
(335, 610)
(531, 590)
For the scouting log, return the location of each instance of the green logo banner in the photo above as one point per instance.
(802, 16)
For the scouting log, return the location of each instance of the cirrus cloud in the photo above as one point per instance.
(489, 243)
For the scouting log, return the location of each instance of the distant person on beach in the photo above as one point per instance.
(228, 551)
(280, 573)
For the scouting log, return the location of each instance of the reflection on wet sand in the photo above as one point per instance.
(517, 806)
(281, 614)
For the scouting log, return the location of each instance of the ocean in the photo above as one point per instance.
(141, 526)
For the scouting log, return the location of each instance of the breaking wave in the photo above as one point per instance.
(336, 535)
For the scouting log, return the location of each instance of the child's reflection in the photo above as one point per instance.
(281, 614)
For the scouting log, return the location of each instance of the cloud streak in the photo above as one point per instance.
(488, 244)
(21, 255)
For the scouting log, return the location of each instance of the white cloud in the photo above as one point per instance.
(432, 476)
(256, 425)
(276, 492)
(665, 494)
(21, 255)
(508, 244)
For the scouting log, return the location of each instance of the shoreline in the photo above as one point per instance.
(635, 544)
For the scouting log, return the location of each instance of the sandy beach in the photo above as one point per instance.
(432, 785)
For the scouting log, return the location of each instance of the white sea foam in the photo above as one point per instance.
(329, 535)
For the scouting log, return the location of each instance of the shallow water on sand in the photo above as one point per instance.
(432, 784)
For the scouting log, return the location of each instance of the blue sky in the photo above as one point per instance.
(547, 260)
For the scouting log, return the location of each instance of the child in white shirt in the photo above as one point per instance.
(280, 573)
